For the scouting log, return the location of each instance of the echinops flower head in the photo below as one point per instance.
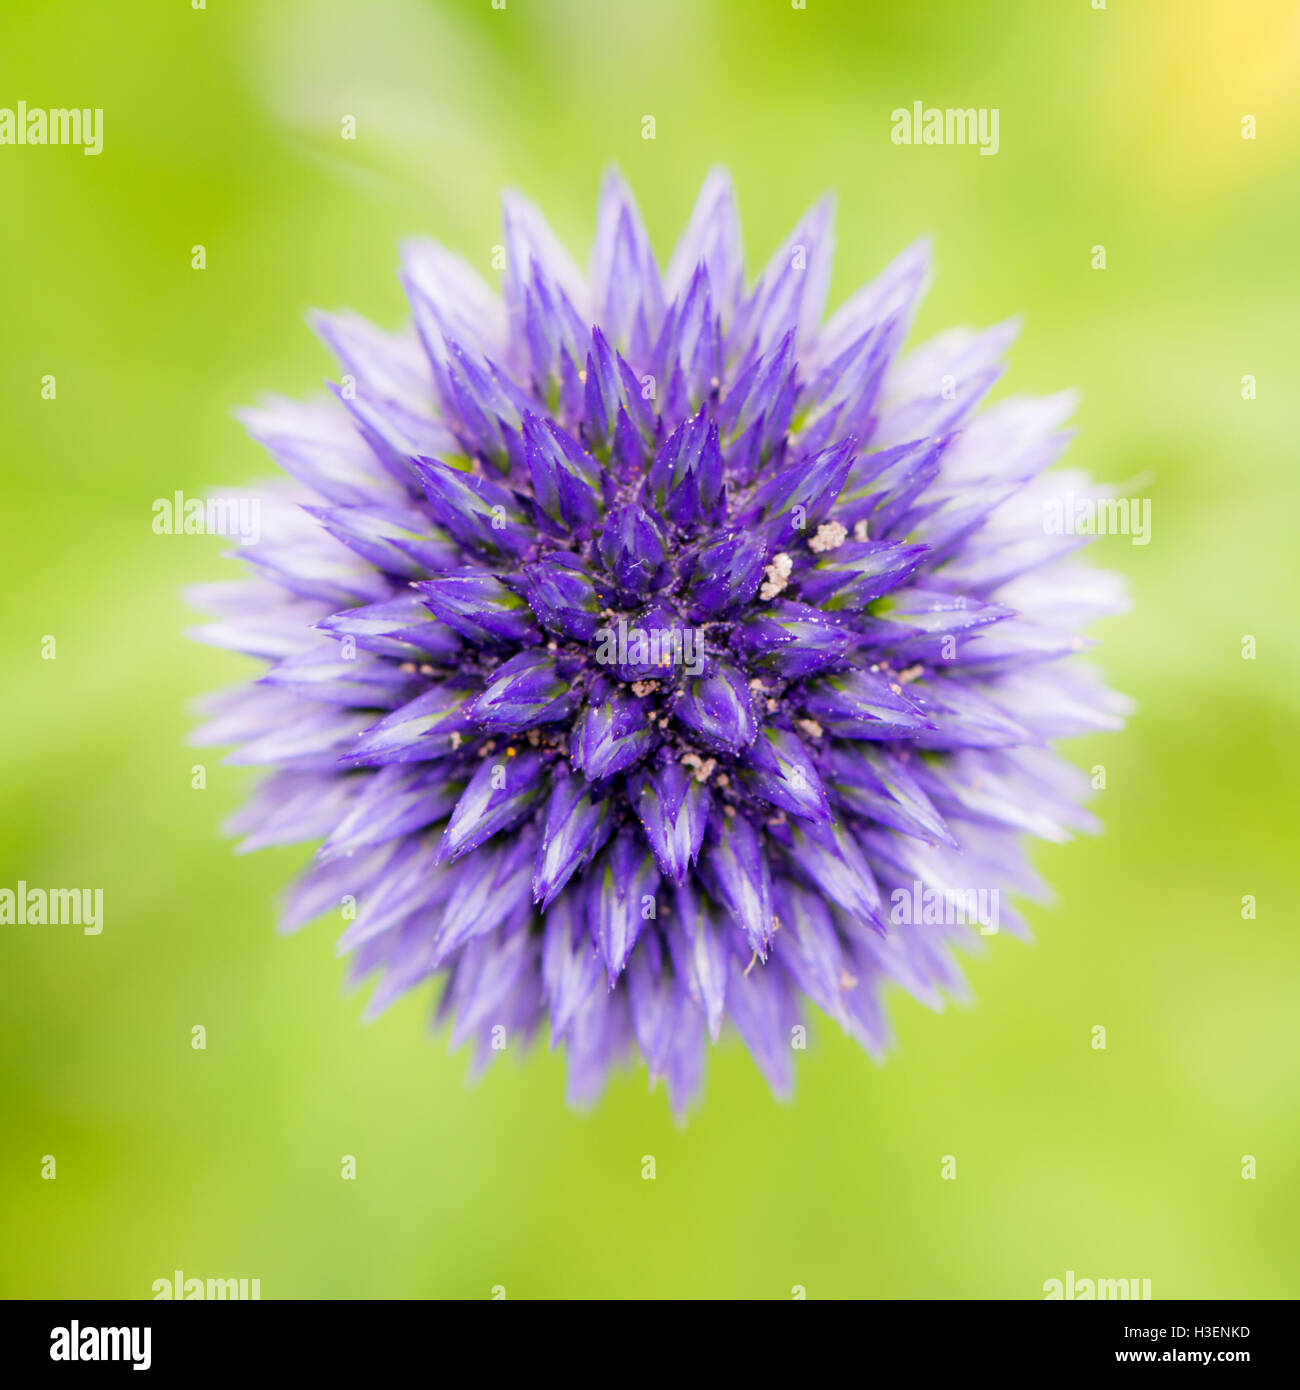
(651, 654)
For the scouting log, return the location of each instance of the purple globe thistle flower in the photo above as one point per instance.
(648, 653)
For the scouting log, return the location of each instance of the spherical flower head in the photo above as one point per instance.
(650, 654)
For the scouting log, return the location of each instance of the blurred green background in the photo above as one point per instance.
(222, 127)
